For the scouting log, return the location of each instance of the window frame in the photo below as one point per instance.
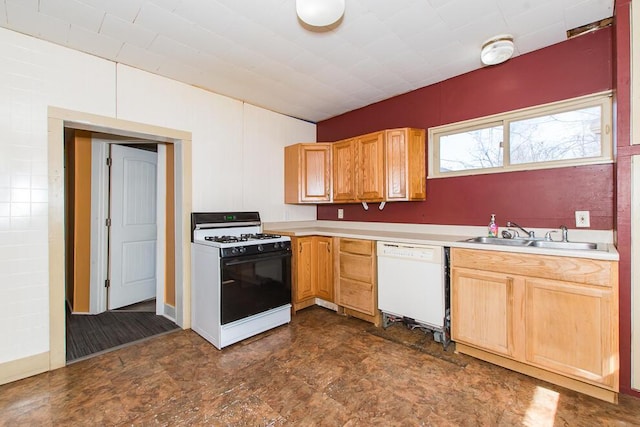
(602, 99)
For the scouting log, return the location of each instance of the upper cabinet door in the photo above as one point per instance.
(370, 167)
(344, 173)
(405, 164)
(308, 173)
(377, 167)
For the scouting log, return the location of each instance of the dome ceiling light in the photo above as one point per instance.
(320, 13)
(497, 50)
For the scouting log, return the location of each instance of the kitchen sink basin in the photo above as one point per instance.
(547, 244)
(564, 245)
(498, 241)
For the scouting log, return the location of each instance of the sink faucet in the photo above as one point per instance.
(531, 234)
(565, 233)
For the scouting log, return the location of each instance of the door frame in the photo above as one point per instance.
(635, 273)
(58, 119)
(100, 179)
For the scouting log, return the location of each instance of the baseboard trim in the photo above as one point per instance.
(170, 312)
(23, 368)
(601, 393)
(326, 304)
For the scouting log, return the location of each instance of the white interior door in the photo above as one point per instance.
(133, 226)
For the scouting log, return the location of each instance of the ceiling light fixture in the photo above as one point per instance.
(320, 13)
(497, 50)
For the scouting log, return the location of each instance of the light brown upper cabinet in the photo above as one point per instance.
(384, 166)
(358, 169)
(405, 164)
(307, 173)
(344, 170)
(370, 167)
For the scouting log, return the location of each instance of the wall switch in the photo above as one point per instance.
(340, 213)
(582, 219)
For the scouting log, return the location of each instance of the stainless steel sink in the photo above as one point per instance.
(564, 245)
(498, 241)
(548, 244)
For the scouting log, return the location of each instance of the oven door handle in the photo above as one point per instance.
(252, 258)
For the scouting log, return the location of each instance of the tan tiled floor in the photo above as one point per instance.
(322, 369)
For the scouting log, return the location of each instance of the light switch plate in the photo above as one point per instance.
(340, 213)
(582, 219)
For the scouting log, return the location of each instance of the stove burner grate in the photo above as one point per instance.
(242, 238)
(259, 236)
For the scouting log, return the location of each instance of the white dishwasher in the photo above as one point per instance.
(411, 287)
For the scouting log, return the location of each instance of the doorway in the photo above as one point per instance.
(112, 188)
(180, 142)
(116, 246)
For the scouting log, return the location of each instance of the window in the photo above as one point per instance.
(566, 133)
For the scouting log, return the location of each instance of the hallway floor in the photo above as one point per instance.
(87, 335)
(322, 369)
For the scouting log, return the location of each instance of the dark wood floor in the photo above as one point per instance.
(322, 369)
(90, 334)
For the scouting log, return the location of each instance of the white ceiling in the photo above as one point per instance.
(258, 52)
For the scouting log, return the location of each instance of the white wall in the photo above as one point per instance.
(34, 75)
(238, 155)
(230, 140)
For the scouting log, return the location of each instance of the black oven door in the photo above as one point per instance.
(253, 284)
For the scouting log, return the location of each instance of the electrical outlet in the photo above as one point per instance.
(582, 219)
(340, 213)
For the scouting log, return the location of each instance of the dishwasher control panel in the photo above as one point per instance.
(410, 251)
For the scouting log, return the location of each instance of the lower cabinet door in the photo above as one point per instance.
(304, 254)
(324, 281)
(481, 310)
(568, 329)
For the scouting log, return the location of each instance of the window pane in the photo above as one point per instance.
(476, 149)
(569, 135)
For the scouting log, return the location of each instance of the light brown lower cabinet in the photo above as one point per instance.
(312, 270)
(554, 318)
(356, 278)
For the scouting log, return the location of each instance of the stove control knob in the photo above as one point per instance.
(242, 249)
(234, 251)
(276, 245)
(260, 248)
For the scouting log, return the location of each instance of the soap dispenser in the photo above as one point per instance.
(493, 227)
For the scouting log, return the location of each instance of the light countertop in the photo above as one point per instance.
(441, 235)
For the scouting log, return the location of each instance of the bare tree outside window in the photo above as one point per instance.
(564, 133)
(476, 149)
(568, 135)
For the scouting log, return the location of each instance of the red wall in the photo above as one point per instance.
(623, 183)
(544, 198)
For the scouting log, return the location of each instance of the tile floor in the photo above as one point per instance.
(322, 369)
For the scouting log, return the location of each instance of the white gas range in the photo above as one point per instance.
(241, 277)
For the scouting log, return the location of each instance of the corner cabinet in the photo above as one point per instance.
(554, 318)
(382, 166)
(356, 279)
(307, 173)
(312, 270)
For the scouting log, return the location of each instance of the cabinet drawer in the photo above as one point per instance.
(356, 267)
(356, 295)
(362, 247)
